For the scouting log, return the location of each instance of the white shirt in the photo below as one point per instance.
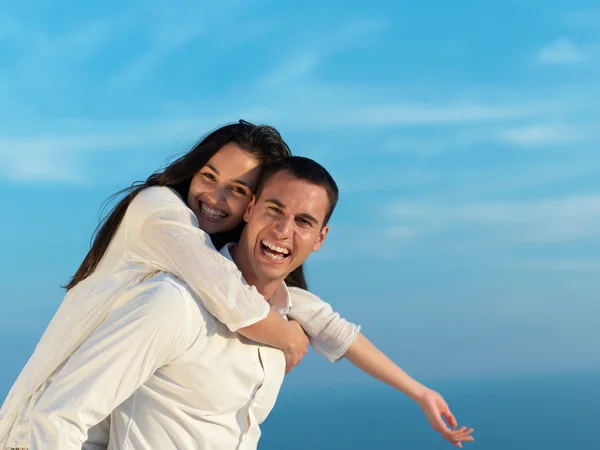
(158, 233)
(171, 374)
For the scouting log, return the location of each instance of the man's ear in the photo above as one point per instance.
(321, 238)
(249, 208)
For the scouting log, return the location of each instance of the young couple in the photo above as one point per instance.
(163, 342)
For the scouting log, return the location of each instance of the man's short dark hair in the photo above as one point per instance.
(304, 169)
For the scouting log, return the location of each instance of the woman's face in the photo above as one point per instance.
(221, 190)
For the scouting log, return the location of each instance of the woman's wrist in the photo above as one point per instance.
(416, 391)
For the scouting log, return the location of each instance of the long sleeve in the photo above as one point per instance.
(153, 326)
(164, 233)
(330, 334)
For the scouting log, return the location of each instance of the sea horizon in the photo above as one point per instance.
(518, 412)
(551, 411)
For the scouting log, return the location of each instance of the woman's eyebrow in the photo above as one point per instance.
(211, 167)
(244, 183)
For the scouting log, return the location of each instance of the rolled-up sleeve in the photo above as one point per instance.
(330, 334)
(136, 339)
(164, 234)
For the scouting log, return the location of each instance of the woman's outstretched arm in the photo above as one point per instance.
(368, 358)
(334, 337)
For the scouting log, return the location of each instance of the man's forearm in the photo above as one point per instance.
(368, 358)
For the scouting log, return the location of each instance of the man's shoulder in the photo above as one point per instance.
(171, 291)
(164, 284)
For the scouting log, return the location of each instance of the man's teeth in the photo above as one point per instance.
(276, 257)
(213, 213)
(272, 246)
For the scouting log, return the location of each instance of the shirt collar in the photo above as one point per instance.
(280, 301)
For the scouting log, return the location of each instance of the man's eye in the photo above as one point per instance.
(303, 221)
(275, 209)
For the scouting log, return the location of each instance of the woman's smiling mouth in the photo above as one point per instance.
(211, 214)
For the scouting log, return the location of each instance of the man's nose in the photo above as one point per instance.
(283, 226)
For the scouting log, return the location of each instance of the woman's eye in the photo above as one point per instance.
(209, 176)
(240, 190)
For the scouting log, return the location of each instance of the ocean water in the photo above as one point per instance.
(543, 412)
(528, 413)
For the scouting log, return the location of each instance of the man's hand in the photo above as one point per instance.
(297, 347)
(434, 407)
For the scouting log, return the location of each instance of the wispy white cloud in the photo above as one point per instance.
(385, 178)
(62, 155)
(561, 51)
(55, 158)
(317, 48)
(292, 69)
(547, 134)
(435, 114)
(402, 232)
(553, 220)
(163, 43)
(186, 23)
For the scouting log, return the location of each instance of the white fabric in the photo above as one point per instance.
(158, 233)
(171, 374)
(330, 334)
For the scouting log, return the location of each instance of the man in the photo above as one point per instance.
(170, 375)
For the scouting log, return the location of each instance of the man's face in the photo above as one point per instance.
(283, 226)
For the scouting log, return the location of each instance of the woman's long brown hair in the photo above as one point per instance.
(263, 142)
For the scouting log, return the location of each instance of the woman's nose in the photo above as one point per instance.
(218, 194)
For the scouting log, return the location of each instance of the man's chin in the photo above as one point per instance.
(271, 272)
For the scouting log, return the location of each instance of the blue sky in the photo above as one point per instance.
(464, 137)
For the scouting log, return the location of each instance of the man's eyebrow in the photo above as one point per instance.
(309, 218)
(275, 202)
(304, 216)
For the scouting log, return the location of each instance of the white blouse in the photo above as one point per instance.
(158, 233)
(170, 375)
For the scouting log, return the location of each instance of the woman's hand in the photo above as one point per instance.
(435, 407)
(297, 345)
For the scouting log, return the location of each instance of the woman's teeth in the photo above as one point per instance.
(211, 213)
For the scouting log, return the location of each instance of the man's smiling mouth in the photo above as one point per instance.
(273, 251)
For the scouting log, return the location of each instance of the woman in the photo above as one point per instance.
(162, 225)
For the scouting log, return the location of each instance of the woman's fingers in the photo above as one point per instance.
(450, 418)
(462, 434)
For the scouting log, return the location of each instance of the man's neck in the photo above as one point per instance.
(266, 288)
